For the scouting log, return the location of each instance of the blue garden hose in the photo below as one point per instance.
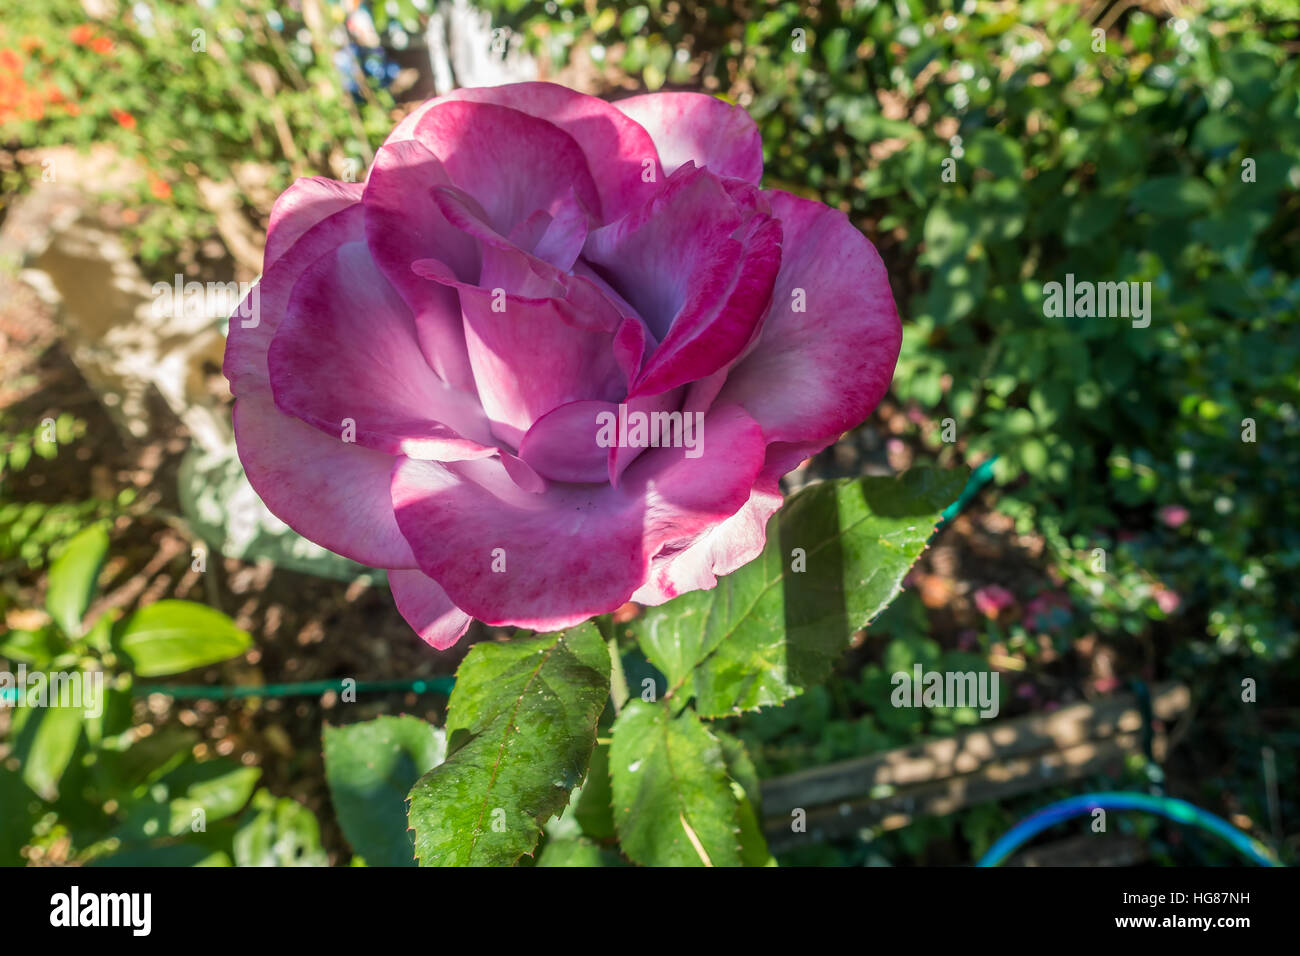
(1171, 808)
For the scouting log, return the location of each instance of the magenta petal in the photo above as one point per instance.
(426, 607)
(250, 337)
(562, 445)
(721, 549)
(403, 223)
(620, 153)
(562, 240)
(513, 164)
(553, 560)
(695, 126)
(728, 546)
(699, 268)
(334, 494)
(579, 297)
(346, 352)
(722, 313)
(652, 255)
(838, 355)
(300, 207)
(528, 356)
(623, 454)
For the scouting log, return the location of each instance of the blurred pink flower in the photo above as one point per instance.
(993, 599)
(1174, 516)
(1047, 611)
(1167, 600)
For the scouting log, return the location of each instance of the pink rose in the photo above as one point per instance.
(1174, 516)
(993, 600)
(1167, 600)
(451, 366)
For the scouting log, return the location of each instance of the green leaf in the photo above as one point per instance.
(768, 631)
(176, 854)
(280, 832)
(1090, 216)
(1173, 197)
(595, 810)
(45, 747)
(673, 801)
(19, 809)
(31, 647)
(217, 788)
(576, 852)
(174, 636)
(521, 725)
(744, 783)
(72, 578)
(148, 758)
(370, 768)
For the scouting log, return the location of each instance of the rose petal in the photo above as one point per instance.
(619, 151)
(513, 164)
(699, 127)
(722, 313)
(836, 358)
(732, 544)
(425, 606)
(698, 272)
(562, 445)
(334, 494)
(528, 357)
(246, 346)
(720, 550)
(650, 256)
(346, 350)
(403, 223)
(300, 207)
(575, 550)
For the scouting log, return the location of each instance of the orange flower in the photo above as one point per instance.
(159, 188)
(11, 61)
(82, 34)
(124, 119)
(102, 45)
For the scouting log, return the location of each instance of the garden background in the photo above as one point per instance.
(1141, 527)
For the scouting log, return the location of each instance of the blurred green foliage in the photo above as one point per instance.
(30, 530)
(191, 91)
(84, 780)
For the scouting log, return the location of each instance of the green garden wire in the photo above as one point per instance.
(311, 688)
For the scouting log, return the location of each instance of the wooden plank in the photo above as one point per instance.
(967, 752)
(997, 781)
(892, 789)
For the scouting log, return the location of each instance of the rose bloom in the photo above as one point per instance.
(446, 364)
(1174, 516)
(993, 600)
